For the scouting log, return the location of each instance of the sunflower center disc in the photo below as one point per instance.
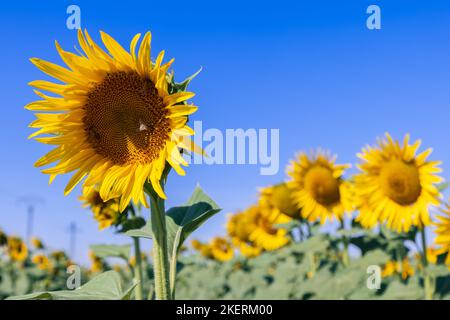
(400, 182)
(125, 119)
(321, 184)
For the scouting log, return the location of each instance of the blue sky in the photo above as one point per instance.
(309, 68)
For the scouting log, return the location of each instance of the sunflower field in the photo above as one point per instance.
(117, 121)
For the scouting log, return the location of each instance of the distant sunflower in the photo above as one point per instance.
(105, 212)
(97, 263)
(42, 262)
(319, 189)
(203, 248)
(403, 268)
(264, 230)
(239, 228)
(396, 186)
(37, 243)
(221, 249)
(443, 234)
(279, 197)
(132, 260)
(3, 238)
(117, 121)
(17, 249)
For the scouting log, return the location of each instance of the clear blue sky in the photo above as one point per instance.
(310, 68)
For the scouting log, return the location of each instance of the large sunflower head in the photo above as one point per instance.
(396, 185)
(279, 197)
(17, 249)
(319, 189)
(106, 213)
(116, 119)
(442, 231)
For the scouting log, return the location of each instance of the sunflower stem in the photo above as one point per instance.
(427, 279)
(160, 254)
(138, 271)
(345, 240)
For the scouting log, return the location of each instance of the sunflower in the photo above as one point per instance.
(264, 231)
(17, 249)
(279, 197)
(402, 268)
(395, 186)
(58, 256)
(204, 249)
(221, 249)
(42, 262)
(106, 213)
(132, 260)
(319, 189)
(443, 234)
(117, 119)
(3, 238)
(239, 227)
(37, 243)
(97, 263)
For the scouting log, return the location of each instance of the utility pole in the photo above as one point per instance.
(31, 202)
(73, 230)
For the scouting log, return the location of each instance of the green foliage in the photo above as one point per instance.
(311, 269)
(182, 221)
(109, 251)
(105, 286)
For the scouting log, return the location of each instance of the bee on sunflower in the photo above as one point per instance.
(396, 185)
(318, 187)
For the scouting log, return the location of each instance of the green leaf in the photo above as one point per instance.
(105, 286)
(438, 270)
(443, 186)
(144, 232)
(111, 250)
(289, 226)
(132, 224)
(182, 221)
(403, 291)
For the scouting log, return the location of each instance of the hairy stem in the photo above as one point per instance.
(138, 271)
(429, 291)
(160, 254)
